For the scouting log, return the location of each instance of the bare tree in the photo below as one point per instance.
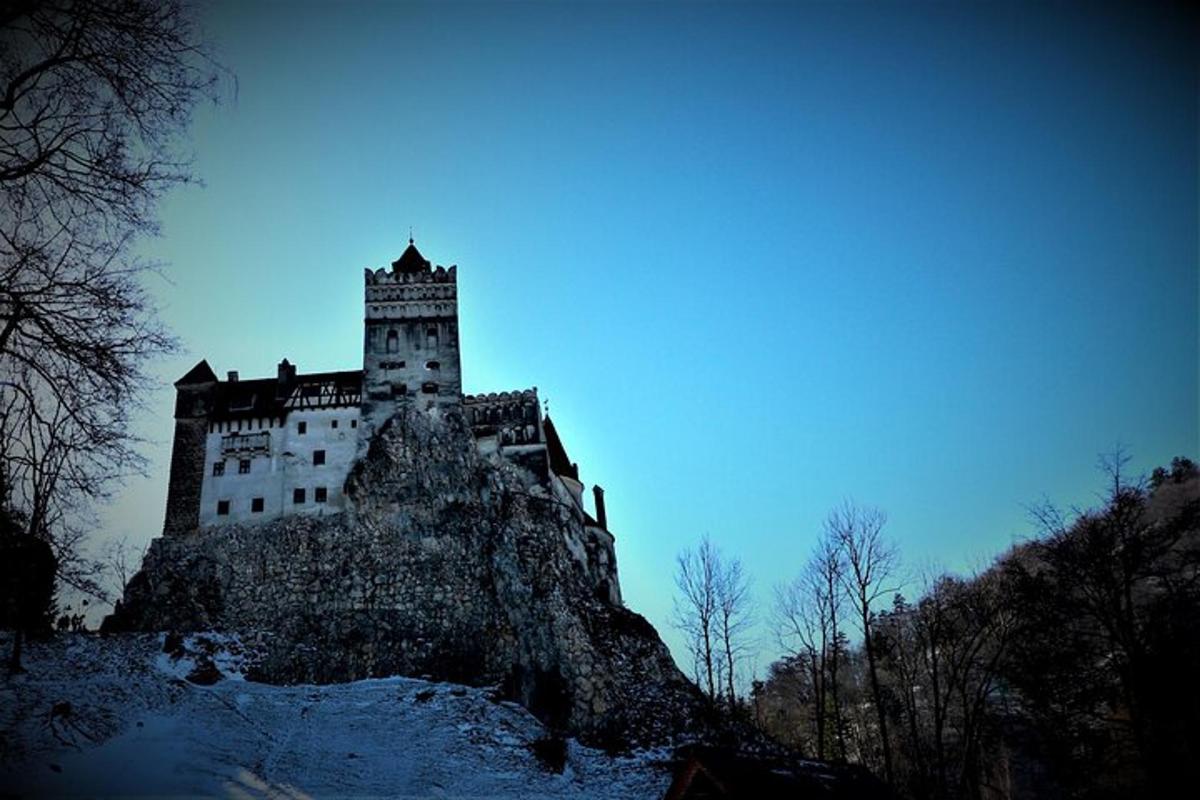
(734, 610)
(871, 563)
(94, 95)
(807, 623)
(696, 609)
(121, 560)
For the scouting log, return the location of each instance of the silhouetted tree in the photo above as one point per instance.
(807, 623)
(1109, 602)
(94, 95)
(713, 608)
(870, 566)
(696, 609)
(734, 618)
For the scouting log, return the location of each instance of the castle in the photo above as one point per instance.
(376, 522)
(251, 451)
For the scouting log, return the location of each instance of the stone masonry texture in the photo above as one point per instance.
(446, 563)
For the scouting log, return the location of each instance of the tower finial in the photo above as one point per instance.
(410, 239)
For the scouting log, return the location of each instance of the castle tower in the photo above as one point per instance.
(195, 395)
(410, 350)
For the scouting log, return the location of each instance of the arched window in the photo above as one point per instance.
(393, 342)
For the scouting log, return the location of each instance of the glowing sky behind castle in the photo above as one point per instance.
(759, 259)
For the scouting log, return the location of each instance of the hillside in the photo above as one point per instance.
(117, 716)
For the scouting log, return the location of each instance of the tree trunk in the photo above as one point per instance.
(708, 663)
(839, 727)
(878, 696)
(817, 671)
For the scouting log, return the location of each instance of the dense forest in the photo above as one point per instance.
(1064, 669)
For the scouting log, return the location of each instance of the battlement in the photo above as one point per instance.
(512, 417)
(489, 399)
(392, 277)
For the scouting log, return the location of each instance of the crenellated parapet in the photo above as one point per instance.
(514, 418)
(392, 277)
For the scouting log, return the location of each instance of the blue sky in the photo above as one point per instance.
(760, 258)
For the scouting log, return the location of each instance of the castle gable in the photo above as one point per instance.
(201, 373)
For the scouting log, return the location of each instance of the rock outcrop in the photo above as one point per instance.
(447, 564)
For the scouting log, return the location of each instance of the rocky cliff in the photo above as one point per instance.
(447, 564)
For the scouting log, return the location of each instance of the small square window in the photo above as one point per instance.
(318, 457)
(353, 423)
(333, 424)
(218, 469)
(297, 496)
(222, 508)
(243, 466)
(256, 505)
(319, 494)
(301, 428)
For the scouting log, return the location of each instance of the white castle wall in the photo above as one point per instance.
(284, 467)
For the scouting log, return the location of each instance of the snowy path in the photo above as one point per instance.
(146, 732)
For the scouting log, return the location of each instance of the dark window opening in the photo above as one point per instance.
(301, 428)
(399, 389)
(318, 457)
(433, 365)
(243, 466)
(256, 505)
(393, 342)
(333, 424)
(222, 508)
(429, 388)
(297, 496)
(319, 494)
(218, 468)
(431, 337)
(353, 423)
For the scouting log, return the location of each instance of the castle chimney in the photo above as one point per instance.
(232, 376)
(601, 515)
(286, 375)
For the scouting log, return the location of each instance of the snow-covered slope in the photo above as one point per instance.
(116, 716)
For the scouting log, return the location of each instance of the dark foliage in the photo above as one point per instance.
(94, 97)
(27, 569)
(1063, 670)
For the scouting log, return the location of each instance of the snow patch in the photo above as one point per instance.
(138, 725)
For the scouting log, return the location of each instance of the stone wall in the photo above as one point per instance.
(187, 474)
(446, 564)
